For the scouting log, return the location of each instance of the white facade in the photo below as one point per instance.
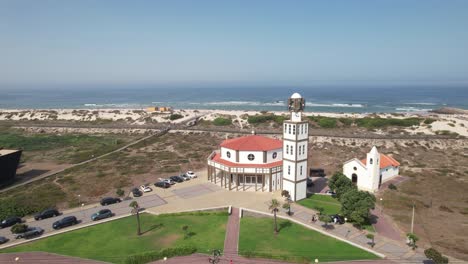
(370, 175)
(295, 151)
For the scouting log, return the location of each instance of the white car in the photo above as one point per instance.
(145, 188)
(191, 174)
(171, 182)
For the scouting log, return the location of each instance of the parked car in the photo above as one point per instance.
(3, 240)
(64, 222)
(32, 232)
(145, 188)
(309, 182)
(47, 214)
(162, 184)
(176, 178)
(329, 192)
(185, 177)
(191, 174)
(10, 221)
(337, 219)
(136, 192)
(110, 200)
(171, 182)
(101, 214)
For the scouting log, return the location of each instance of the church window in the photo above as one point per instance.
(289, 169)
(287, 149)
(274, 155)
(370, 161)
(251, 157)
(285, 128)
(228, 154)
(354, 168)
(289, 129)
(300, 172)
(294, 130)
(292, 150)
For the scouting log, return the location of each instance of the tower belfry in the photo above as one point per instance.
(295, 146)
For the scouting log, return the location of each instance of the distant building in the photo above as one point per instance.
(158, 109)
(368, 174)
(9, 160)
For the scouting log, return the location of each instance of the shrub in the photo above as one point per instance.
(156, 255)
(257, 119)
(429, 121)
(220, 121)
(19, 228)
(435, 256)
(175, 116)
(392, 186)
(120, 192)
(377, 122)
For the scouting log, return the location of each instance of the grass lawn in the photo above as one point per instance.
(293, 243)
(329, 204)
(115, 240)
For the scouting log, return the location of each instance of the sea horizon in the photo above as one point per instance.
(336, 99)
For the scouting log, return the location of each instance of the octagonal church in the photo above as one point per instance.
(260, 163)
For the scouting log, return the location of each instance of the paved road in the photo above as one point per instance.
(84, 216)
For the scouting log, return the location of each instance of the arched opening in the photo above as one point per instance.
(354, 178)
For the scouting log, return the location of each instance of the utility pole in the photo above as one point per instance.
(412, 220)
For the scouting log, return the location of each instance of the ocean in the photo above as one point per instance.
(318, 99)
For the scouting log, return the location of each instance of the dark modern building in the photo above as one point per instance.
(9, 160)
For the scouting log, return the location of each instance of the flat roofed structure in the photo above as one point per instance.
(9, 160)
(247, 163)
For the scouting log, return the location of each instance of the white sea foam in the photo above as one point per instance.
(420, 103)
(412, 109)
(335, 105)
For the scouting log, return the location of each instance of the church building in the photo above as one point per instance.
(262, 163)
(368, 174)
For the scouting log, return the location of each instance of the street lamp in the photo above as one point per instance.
(381, 205)
(316, 261)
(79, 198)
(82, 205)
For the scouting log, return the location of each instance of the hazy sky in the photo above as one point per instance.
(284, 42)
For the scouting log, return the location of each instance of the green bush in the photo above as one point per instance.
(156, 255)
(258, 119)
(435, 256)
(346, 121)
(429, 121)
(377, 122)
(120, 192)
(220, 121)
(19, 228)
(175, 116)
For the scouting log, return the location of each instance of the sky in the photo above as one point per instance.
(251, 42)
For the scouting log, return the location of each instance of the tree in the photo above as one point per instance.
(19, 228)
(273, 206)
(371, 237)
(412, 239)
(356, 205)
(136, 211)
(326, 219)
(287, 205)
(120, 192)
(340, 184)
(435, 256)
(319, 209)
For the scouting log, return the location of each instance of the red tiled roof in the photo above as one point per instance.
(253, 142)
(385, 161)
(217, 158)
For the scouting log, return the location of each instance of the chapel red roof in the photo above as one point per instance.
(385, 161)
(252, 143)
(217, 158)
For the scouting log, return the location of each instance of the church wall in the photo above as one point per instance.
(244, 154)
(279, 155)
(364, 181)
(389, 172)
(224, 154)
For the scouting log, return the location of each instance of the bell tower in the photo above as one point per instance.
(295, 146)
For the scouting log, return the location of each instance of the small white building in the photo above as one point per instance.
(368, 174)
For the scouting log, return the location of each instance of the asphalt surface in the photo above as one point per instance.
(84, 216)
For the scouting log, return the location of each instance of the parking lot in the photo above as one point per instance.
(84, 216)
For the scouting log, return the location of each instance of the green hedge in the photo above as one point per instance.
(156, 255)
(257, 119)
(175, 116)
(220, 121)
(377, 122)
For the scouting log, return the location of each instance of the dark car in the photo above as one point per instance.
(32, 232)
(110, 200)
(162, 184)
(309, 182)
(338, 219)
(3, 240)
(46, 214)
(101, 214)
(64, 222)
(177, 179)
(136, 192)
(10, 221)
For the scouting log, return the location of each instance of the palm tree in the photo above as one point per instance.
(273, 206)
(136, 210)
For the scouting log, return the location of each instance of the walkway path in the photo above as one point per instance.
(384, 227)
(231, 243)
